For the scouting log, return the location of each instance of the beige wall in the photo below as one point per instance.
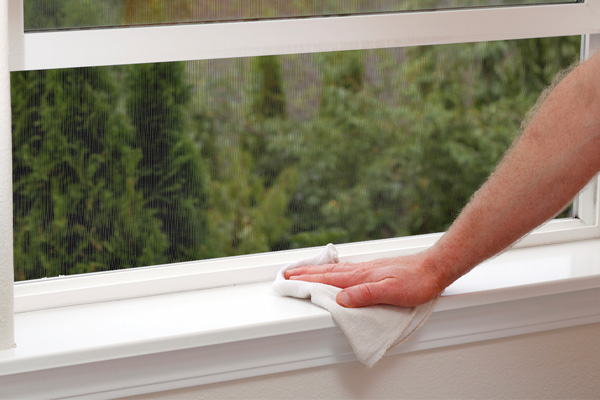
(561, 364)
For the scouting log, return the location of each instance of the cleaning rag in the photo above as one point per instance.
(372, 330)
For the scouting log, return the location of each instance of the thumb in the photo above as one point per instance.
(365, 294)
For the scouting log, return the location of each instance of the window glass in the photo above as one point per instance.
(127, 166)
(66, 14)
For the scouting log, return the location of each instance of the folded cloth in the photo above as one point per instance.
(372, 330)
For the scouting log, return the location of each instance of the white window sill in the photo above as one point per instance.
(148, 344)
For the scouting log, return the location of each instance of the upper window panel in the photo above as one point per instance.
(75, 14)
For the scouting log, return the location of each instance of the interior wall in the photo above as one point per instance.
(558, 364)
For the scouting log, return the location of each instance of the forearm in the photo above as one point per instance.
(554, 158)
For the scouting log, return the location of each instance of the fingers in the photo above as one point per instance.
(385, 292)
(403, 281)
(338, 279)
(366, 294)
(342, 275)
(319, 269)
(310, 269)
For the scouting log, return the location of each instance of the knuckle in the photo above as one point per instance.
(355, 275)
(338, 267)
(364, 292)
(333, 268)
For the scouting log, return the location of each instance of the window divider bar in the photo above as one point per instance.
(593, 44)
(585, 205)
(114, 46)
(6, 209)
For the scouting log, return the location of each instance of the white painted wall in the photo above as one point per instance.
(557, 364)
(6, 214)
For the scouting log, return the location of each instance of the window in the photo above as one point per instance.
(120, 46)
(174, 162)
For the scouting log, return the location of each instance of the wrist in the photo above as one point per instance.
(442, 269)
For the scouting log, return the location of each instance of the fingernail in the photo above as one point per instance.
(343, 299)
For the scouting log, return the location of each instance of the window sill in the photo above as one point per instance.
(149, 344)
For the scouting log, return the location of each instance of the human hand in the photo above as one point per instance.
(403, 281)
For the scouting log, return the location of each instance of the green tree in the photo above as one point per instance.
(466, 102)
(266, 124)
(268, 97)
(247, 217)
(59, 14)
(73, 171)
(172, 174)
(341, 195)
(252, 181)
(156, 11)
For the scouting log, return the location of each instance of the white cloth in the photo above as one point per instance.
(371, 331)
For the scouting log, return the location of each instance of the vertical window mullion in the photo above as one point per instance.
(6, 215)
(586, 207)
(593, 43)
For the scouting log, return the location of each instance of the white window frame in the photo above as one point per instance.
(113, 46)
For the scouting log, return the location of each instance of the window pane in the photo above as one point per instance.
(66, 14)
(120, 167)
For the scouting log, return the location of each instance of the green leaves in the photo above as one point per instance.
(61, 188)
(470, 104)
(172, 175)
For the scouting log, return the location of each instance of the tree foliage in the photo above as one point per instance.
(171, 174)
(77, 207)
